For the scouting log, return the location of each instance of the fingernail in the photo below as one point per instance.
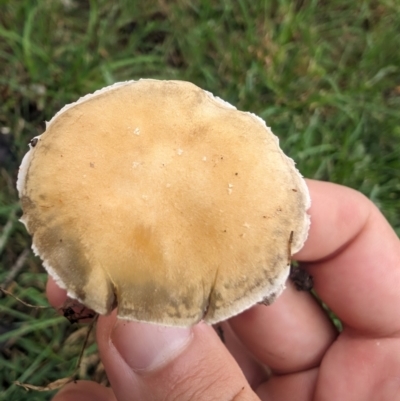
(146, 347)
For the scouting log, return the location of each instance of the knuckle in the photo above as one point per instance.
(212, 383)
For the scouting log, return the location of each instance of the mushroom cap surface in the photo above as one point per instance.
(160, 199)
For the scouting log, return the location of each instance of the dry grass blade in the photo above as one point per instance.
(62, 382)
(49, 387)
(7, 231)
(89, 330)
(16, 268)
(21, 301)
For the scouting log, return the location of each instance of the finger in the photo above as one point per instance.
(337, 215)
(56, 295)
(253, 371)
(150, 362)
(360, 369)
(356, 259)
(290, 335)
(84, 391)
(296, 386)
(70, 308)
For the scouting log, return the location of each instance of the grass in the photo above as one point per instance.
(324, 74)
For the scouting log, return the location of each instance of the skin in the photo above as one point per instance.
(353, 255)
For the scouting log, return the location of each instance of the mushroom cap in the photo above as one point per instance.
(160, 199)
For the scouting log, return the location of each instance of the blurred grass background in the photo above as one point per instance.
(325, 75)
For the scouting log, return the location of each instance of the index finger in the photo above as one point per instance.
(354, 256)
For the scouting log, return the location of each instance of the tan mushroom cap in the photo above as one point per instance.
(165, 201)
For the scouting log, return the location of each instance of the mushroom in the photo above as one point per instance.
(164, 201)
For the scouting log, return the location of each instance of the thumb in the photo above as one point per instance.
(150, 362)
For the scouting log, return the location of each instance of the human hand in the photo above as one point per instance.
(353, 255)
